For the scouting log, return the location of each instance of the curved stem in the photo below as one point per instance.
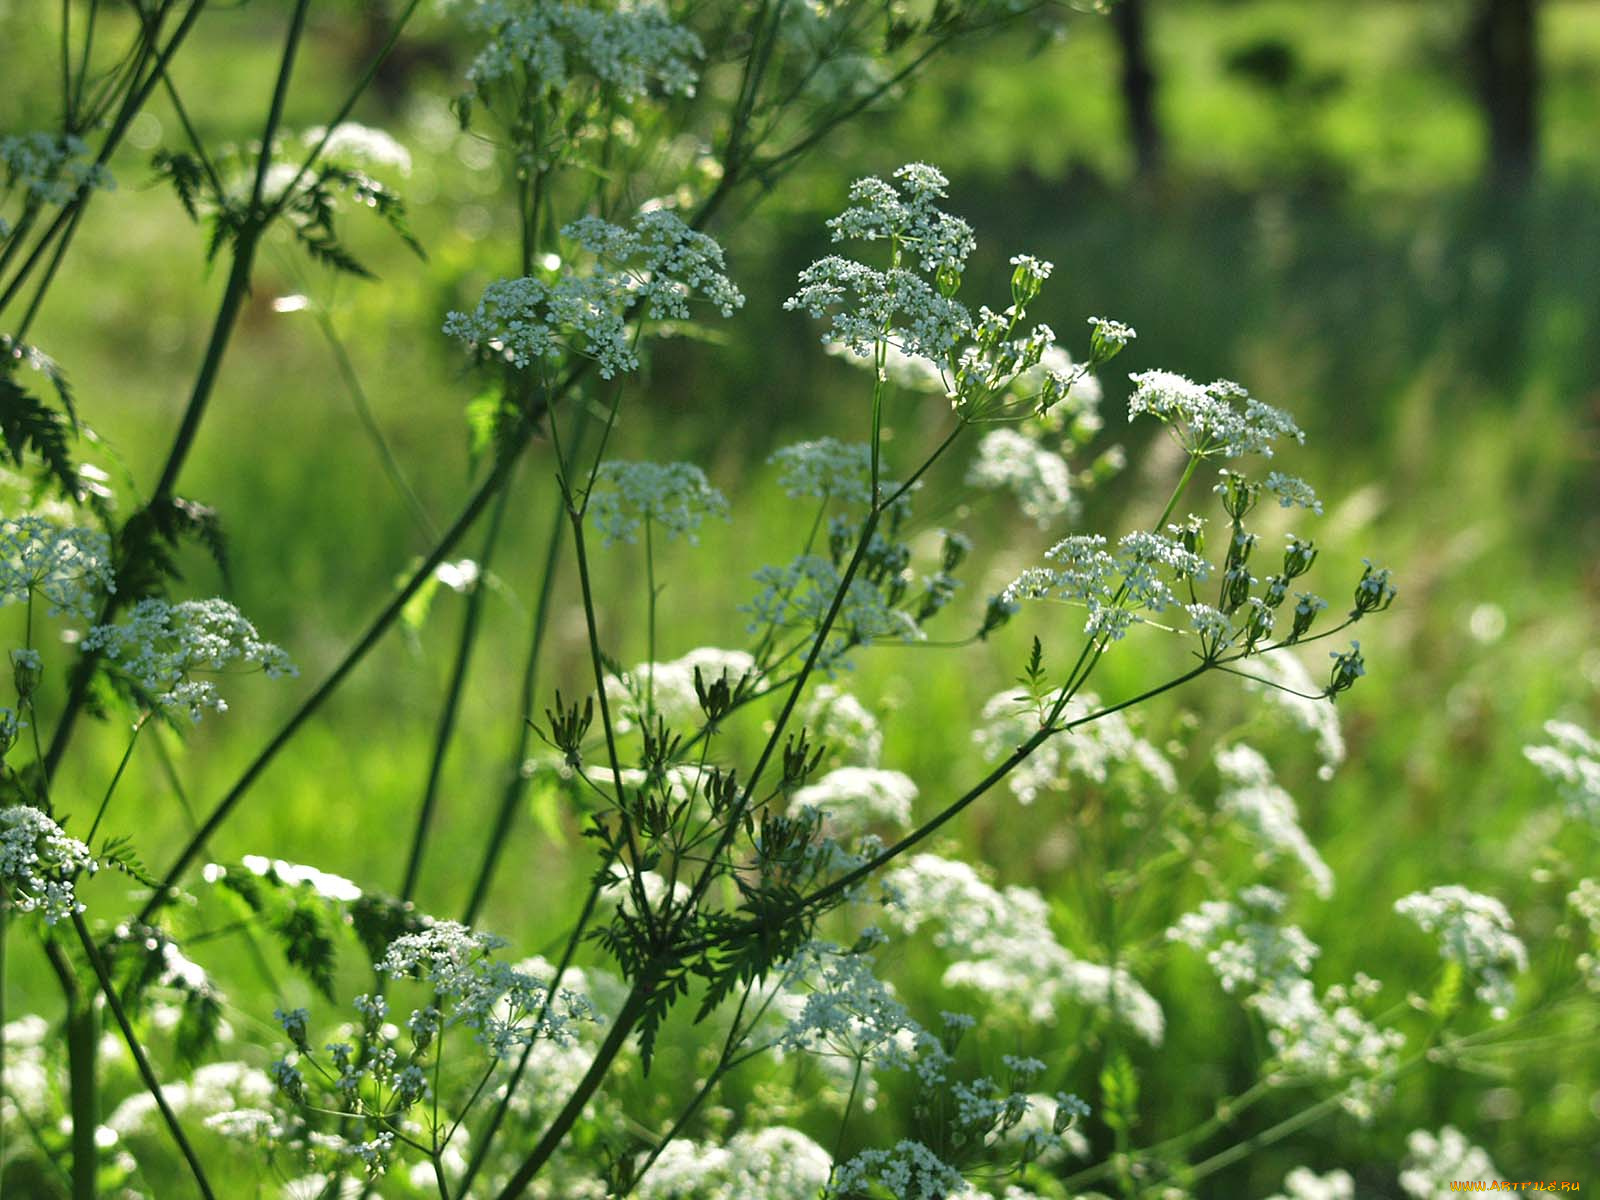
(353, 657)
(480, 1151)
(115, 779)
(516, 785)
(458, 678)
(83, 1099)
(622, 1026)
(146, 1072)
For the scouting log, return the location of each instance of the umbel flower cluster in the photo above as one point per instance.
(39, 864)
(655, 266)
(164, 650)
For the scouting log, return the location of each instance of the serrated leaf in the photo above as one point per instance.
(118, 854)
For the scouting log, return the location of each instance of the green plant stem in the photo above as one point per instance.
(50, 270)
(847, 881)
(280, 93)
(516, 784)
(649, 619)
(370, 637)
(136, 532)
(369, 421)
(5, 930)
(470, 622)
(131, 106)
(725, 1062)
(621, 1028)
(146, 1072)
(581, 554)
(83, 1098)
(480, 1151)
(734, 822)
(116, 778)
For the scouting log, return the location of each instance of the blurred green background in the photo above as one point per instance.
(1322, 214)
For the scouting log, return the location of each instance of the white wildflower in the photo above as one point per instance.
(1283, 679)
(1267, 813)
(1113, 587)
(1040, 479)
(664, 262)
(1243, 943)
(669, 686)
(324, 884)
(1585, 902)
(869, 306)
(361, 143)
(1302, 1183)
(799, 596)
(660, 263)
(162, 647)
(1325, 1038)
(1001, 943)
(906, 213)
(842, 724)
(1292, 491)
(51, 168)
(909, 1171)
(38, 864)
(1572, 762)
(500, 1003)
(68, 568)
(634, 49)
(826, 469)
(675, 498)
(774, 1163)
(837, 1007)
(1435, 1162)
(1108, 337)
(1476, 931)
(213, 1090)
(852, 798)
(1210, 419)
(1093, 751)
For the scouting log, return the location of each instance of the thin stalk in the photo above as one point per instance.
(280, 93)
(349, 104)
(725, 1062)
(134, 535)
(86, 55)
(516, 782)
(146, 1072)
(5, 929)
(470, 621)
(480, 1150)
(49, 273)
(650, 619)
(131, 105)
(358, 400)
(730, 831)
(122, 766)
(19, 231)
(66, 62)
(622, 1027)
(83, 1098)
(353, 657)
(575, 519)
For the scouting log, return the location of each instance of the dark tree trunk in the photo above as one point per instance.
(1138, 86)
(1505, 54)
